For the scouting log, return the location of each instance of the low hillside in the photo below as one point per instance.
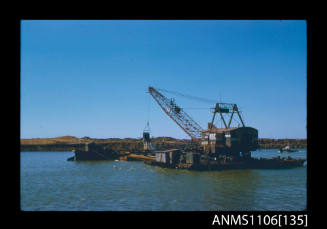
(68, 143)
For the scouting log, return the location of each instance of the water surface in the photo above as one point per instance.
(50, 183)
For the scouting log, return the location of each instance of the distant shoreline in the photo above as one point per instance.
(68, 143)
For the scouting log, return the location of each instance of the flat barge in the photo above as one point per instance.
(177, 159)
(92, 152)
(253, 163)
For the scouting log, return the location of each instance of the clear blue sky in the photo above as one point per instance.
(89, 78)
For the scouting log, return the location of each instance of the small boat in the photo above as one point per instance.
(287, 149)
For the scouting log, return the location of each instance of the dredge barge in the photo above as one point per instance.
(218, 148)
(212, 148)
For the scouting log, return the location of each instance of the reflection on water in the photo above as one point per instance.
(49, 182)
(217, 190)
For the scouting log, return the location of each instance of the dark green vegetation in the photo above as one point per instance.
(68, 143)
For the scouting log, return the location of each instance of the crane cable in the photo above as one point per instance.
(188, 96)
(147, 127)
(149, 108)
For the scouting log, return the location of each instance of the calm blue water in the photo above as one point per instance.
(50, 183)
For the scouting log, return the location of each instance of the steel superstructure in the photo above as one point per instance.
(177, 114)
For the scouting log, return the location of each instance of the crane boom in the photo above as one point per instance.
(177, 114)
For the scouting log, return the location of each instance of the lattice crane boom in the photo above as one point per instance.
(177, 114)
